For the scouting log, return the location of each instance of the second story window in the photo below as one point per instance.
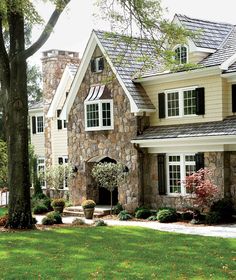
(98, 109)
(181, 102)
(60, 123)
(37, 124)
(181, 54)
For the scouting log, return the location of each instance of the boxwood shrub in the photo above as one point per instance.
(167, 216)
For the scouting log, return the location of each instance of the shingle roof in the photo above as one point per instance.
(209, 34)
(217, 128)
(35, 105)
(223, 53)
(126, 59)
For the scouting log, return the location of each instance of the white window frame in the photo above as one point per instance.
(100, 117)
(187, 51)
(64, 161)
(36, 124)
(182, 164)
(41, 166)
(181, 101)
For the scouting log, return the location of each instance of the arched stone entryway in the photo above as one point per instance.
(101, 195)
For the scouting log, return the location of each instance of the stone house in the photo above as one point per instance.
(160, 124)
(48, 133)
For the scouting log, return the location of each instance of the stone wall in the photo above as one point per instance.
(53, 65)
(222, 164)
(115, 144)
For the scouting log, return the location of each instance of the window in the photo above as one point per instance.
(63, 161)
(181, 54)
(99, 115)
(178, 167)
(181, 102)
(37, 124)
(98, 109)
(41, 171)
(60, 123)
(97, 64)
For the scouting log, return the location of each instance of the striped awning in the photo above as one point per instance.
(98, 92)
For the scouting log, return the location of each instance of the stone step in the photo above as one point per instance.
(78, 211)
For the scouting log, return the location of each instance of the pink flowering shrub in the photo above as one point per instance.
(201, 186)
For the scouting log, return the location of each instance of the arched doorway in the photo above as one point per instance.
(104, 194)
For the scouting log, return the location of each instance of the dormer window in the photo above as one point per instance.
(97, 64)
(181, 54)
(98, 109)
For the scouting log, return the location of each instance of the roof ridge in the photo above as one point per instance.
(204, 20)
(233, 29)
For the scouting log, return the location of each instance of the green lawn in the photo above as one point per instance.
(3, 211)
(114, 253)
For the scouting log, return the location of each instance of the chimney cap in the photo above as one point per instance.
(56, 52)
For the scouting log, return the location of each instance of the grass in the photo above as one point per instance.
(114, 253)
(3, 211)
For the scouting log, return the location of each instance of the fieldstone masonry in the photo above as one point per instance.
(84, 146)
(53, 65)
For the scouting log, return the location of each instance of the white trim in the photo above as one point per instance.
(225, 65)
(60, 91)
(92, 43)
(194, 144)
(231, 77)
(185, 75)
(100, 117)
(182, 163)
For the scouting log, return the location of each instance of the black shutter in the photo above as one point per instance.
(199, 161)
(59, 122)
(34, 125)
(161, 105)
(60, 160)
(200, 101)
(93, 65)
(101, 63)
(161, 174)
(234, 98)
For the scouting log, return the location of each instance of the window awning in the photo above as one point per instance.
(98, 92)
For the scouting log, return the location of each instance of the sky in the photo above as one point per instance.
(76, 23)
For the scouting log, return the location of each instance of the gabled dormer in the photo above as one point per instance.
(208, 36)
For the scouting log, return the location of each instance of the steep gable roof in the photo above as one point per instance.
(66, 80)
(123, 59)
(209, 34)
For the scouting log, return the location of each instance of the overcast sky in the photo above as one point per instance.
(76, 23)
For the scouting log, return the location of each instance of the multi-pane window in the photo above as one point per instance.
(99, 115)
(181, 102)
(60, 123)
(63, 161)
(181, 54)
(40, 124)
(178, 167)
(41, 171)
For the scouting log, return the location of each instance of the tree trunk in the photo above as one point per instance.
(17, 130)
(111, 203)
(17, 140)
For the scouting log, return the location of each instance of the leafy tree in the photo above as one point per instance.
(200, 184)
(109, 175)
(15, 16)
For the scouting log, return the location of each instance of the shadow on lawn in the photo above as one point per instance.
(114, 253)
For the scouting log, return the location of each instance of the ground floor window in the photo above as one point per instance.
(41, 171)
(63, 160)
(178, 167)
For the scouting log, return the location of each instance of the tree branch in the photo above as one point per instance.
(47, 30)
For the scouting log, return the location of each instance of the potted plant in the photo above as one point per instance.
(58, 204)
(88, 207)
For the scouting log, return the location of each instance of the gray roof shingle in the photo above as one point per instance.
(126, 59)
(217, 128)
(209, 34)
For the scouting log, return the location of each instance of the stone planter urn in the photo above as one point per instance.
(88, 208)
(58, 204)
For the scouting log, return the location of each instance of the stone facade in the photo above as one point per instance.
(53, 65)
(222, 164)
(84, 146)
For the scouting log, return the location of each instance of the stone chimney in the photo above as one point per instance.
(53, 65)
